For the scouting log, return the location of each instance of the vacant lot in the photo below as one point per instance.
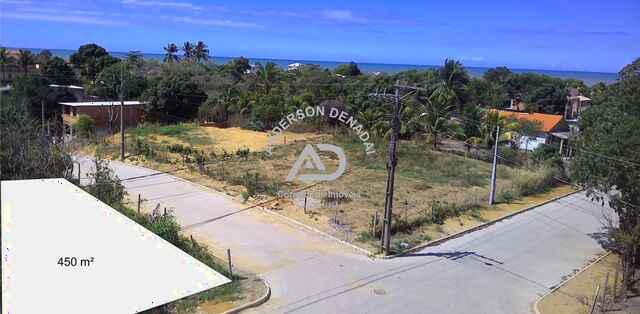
(435, 193)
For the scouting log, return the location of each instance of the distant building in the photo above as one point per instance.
(517, 104)
(76, 93)
(549, 124)
(12, 70)
(106, 114)
(294, 66)
(576, 104)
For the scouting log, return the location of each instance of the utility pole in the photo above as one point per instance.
(385, 238)
(42, 115)
(122, 112)
(492, 191)
(391, 171)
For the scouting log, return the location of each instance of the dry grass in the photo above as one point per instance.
(576, 296)
(423, 176)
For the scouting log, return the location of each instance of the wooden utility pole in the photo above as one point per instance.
(122, 112)
(385, 238)
(391, 172)
(492, 191)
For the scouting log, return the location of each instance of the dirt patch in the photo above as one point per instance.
(252, 287)
(576, 296)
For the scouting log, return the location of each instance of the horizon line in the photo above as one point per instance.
(338, 61)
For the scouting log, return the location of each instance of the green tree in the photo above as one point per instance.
(348, 69)
(108, 82)
(498, 75)
(237, 68)
(173, 97)
(171, 53)
(25, 153)
(437, 111)
(91, 59)
(200, 52)
(607, 160)
(455, 78)
(267, 76)
(188, 51)
(59, 72)
(25, 59)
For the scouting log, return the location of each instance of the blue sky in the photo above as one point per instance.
(582, 35)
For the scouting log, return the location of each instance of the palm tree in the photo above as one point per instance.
(25, 59)
(437, 111)
(187, 49)
(201, 52)
(267, 75)
(171, 53)
(455, 78)
(5, 59)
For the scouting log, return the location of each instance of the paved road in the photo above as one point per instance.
(501, 269)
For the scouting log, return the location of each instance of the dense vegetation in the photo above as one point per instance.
(608, 161)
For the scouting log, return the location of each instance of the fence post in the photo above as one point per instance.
(139, 200)
(603, 302)
(305, 201)
(615, 285)
(229, 259)
(595, 300)
(375, 224)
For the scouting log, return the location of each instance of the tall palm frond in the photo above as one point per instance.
(201, 52)
(187, 50)
(171, 53)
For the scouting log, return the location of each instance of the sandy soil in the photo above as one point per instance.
(576, 296)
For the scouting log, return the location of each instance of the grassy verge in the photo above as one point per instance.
(576, 295)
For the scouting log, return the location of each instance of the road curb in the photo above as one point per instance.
(322, 233)
(535, 304)
(264, 298)
(476, 228)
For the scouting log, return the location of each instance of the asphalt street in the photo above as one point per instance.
(500, 269)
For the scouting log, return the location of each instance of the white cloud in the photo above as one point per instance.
(161, 3)
(63, 18)
(342, 16)
(210, 22)
(15, 2)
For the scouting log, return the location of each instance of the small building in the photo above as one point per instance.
(74, 92)
(576, 104)
(294, 66)
(106, 114)
(549, 124)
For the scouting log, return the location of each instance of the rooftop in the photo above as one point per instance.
(102, 103)
(548, 121)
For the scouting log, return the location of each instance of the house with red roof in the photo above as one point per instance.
(550, 126)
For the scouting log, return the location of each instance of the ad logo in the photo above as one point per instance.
(309, 159)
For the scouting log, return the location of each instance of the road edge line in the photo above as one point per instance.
(476, 228)
(560, 285)
(261, 300)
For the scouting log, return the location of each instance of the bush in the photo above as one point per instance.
(85, 126)
(536, 182)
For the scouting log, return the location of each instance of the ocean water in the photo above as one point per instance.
(589, 78)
